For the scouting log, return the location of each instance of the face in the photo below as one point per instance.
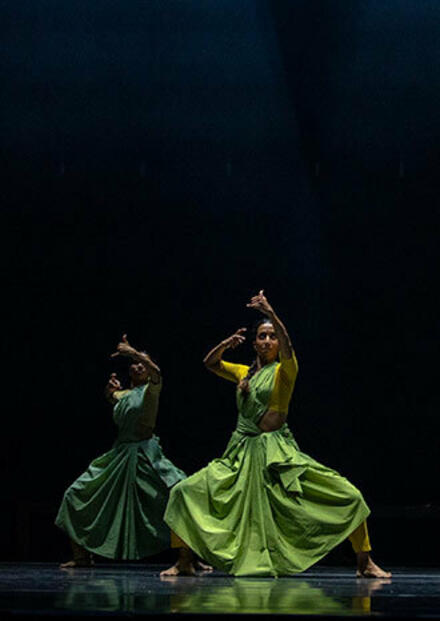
(138, 373)
(266, 343)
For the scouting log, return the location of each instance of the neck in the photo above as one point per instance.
(136, 383)
(262, 362)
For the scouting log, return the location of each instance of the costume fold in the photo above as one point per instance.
(264, 508)
(115, 508)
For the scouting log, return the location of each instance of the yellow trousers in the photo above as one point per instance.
(359, 539)
(176, 541)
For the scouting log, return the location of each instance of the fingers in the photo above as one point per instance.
(113, 384)
(238, 338)
(239, 335)
(258, 297)
(120, 351)
(258, 301)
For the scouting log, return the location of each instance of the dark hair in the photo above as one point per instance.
(243, 385)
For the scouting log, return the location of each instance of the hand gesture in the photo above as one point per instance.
(235, 339)
(124, 348)
(112, 385)
(259, 302)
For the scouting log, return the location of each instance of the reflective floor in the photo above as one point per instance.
(125, 590)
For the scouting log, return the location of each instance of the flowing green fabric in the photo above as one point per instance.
(264, 508)
(115, 508)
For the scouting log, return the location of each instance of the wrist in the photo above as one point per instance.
(270, 313)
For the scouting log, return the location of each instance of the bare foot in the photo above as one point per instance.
(200, 565)
(81, 557)
(185, 565)
(180, 569)
(83, 562)
(367, 568)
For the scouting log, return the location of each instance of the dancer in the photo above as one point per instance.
(115, 508)
(266, 508)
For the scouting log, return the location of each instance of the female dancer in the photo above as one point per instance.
(115, 508)
(266, 508)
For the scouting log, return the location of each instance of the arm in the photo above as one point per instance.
(259, 302)
(153, 369)
(213, 359)
(125, 349)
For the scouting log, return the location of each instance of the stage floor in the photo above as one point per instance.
(29, 589)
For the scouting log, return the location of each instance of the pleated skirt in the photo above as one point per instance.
(115, 509)
(264, 508)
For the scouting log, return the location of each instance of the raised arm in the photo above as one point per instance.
(213, 358)
(125, 349)
(259, 302)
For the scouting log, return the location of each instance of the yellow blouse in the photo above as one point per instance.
(284, 382)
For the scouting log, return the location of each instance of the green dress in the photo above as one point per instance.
(264, 508)
(115, 508)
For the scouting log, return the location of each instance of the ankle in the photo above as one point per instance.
(363, 559)
(186, 555)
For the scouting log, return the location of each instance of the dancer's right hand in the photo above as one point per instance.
(113, 384)
(235, 339)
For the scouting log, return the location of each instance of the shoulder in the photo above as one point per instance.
(120, 394)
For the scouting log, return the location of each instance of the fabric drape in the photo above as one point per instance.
(264, 508)
(115, 508)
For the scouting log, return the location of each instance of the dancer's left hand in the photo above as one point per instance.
(259, 302)
(124, 348)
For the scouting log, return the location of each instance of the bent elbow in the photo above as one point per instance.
(213, 367)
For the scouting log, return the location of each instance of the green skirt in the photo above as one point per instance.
(115, 508)
(264, 508)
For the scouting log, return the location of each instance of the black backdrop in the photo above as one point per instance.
(162, 161)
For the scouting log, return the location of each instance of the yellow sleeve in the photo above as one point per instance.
(118, 394)
(231, 371)
(285, 377)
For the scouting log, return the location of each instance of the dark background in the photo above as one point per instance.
(162, 161)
